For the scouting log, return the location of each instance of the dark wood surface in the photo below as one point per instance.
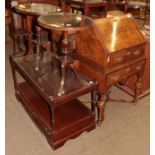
(46, 80)
(71, 119)
(58, 117)
(113, 53)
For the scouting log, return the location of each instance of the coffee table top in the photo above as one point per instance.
(37, 9)
(46, 80)
(65, 22)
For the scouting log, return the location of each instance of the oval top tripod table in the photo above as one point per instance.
(31, 11)
(65, 23)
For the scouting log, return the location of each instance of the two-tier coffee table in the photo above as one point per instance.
(58, 117)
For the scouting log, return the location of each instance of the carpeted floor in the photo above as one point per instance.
(125, 130)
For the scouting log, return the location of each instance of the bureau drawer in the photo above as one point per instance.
(124, 73)
(126, 55)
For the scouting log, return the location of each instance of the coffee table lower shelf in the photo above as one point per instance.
(71, 118)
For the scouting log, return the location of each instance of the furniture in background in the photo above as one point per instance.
(32, 11)
(18, 32)
(139, 8)
(92, 8)
(114, 52)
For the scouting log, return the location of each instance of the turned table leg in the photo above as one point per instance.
(62, 82)
(65, 61)
(37, 56)
(29, 26)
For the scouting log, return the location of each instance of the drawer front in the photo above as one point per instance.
(125, 73)
(126, 55)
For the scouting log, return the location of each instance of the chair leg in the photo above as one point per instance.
(18, 42)
(26, 43)
(72, 10)
(15, 45)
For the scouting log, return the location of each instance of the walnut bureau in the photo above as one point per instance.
(110, 52)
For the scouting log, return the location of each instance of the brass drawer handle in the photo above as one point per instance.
(138, 68)
(119, 59)
(128, 70)
(128, 53)
(136, 53)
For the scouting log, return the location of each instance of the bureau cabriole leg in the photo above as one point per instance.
(101, 105)
(138, 87)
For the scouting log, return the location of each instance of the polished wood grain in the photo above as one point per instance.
(114, 41)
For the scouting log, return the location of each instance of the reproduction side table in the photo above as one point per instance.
(66, 23)
(58, 117)
(31, 11)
